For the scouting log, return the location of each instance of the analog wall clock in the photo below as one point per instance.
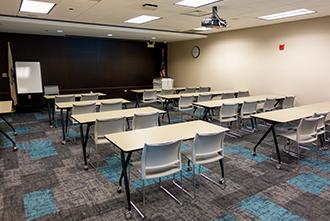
(195, 52)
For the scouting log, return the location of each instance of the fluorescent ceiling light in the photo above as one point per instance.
(202, 29)
(60, 31)
(109, 35)
(142, 19)
(36, 6)
(287, 14)
(195, 3)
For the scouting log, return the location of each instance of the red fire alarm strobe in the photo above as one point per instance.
(281, 47)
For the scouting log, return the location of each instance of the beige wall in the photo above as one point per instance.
(251, 59)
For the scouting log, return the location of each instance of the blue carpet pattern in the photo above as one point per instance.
(38, 204)
(39, 149)
(265, 210)
(45, 180)
(310, 182)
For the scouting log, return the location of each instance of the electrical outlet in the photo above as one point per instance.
(4, 75)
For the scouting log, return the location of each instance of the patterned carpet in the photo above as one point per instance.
(45, 180)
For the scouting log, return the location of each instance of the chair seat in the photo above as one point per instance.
(160, 173)
(229, 119)
(293, 136)
(203, 159)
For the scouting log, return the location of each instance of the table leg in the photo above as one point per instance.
(205, 113)
(277, 148)
(84, 141)
(9, 124)
(53, 113)
(66, 121)
(262, 138)
(10, 139)
(49, 113)
(128, 158)
(137, 100)
(124, 164)
(125, 106)
(63, 128)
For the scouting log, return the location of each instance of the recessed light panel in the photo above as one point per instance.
(286, 14)
(36, 6)
(195, 3)
(142, 19)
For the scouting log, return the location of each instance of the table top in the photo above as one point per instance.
(140, 91)
(50, 97)
(65, 105)
(91, 117)
(6, 107)
(240, 100)
(177, 96)
(135, 139)
(295, 113)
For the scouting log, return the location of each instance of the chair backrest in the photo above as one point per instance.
(269, 105)
(217, 97)
(228, 111)
(243, 94)
(307, 130)
(204, 89)
(248, 108)
(149, 95)
(83, 108)
(161, 159)
(321, 122)
(64, 98)
(204, 97)
(145, 120)
(89, 97)
(228, 95)
(185, 101)
(167, 91)
(111, 106)
(109, 126)
(188, 90)
(288, 102)
(207, 147)
(51, 90)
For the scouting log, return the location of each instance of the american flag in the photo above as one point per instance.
(162, 65)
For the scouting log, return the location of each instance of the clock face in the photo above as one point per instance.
(195, 52)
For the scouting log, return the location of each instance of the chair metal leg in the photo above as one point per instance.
(171, 195)
(143, 194)
(194, 180)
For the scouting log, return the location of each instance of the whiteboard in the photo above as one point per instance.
(28, 77)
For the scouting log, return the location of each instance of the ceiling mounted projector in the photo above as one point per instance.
(215, 21)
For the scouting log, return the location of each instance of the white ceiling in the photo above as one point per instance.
(110, 14)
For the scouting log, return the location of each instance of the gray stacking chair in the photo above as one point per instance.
(243, 94)
(143, 120)
(51, 90)
(185, 104)
(111, 106)
(288, 102)
(306, 133)
(204, 89)
(207, 148)
(149, 96)
(228, 96)
(161, 160)
(247, 110)
(89, 97)
(269, 105)
(107, 126)
(188, 90)
(229, 114)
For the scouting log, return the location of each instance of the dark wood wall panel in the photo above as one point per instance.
(80, 64)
